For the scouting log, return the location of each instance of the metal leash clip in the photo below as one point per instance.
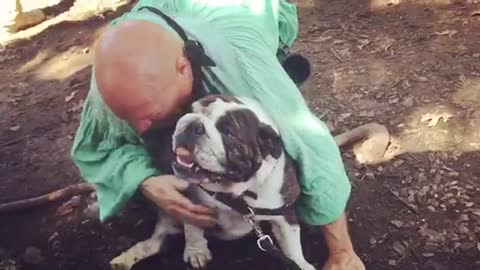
(251, 221)
(258, 230)
(261, 240)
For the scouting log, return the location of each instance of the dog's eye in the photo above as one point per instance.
(226, 131)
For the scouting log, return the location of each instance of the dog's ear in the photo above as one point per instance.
(269, 141)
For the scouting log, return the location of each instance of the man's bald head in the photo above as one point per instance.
(141, 72)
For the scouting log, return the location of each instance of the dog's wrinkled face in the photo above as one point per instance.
(222, 140)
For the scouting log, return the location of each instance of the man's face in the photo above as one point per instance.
(163, 108)
(155, 96)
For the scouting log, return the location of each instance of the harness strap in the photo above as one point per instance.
(240, 205)
(264, 241)
(193, 50)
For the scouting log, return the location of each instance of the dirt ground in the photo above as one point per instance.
(413, 66)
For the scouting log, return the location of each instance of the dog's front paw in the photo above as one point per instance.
(197, 257)
(306, 266)
(122, 262)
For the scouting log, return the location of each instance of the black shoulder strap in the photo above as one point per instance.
(240, 205)
(193, 50)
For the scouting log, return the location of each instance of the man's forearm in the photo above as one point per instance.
(342, 256)
(337, 236)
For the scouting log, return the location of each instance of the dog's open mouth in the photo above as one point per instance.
(186, 167)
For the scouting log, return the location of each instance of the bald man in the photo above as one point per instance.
(146, 73)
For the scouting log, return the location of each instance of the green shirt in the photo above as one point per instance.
(242, 38)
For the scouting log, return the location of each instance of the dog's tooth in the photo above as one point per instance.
(182, 151)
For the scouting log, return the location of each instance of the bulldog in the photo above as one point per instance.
(232, 153)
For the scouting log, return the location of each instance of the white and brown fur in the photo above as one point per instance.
(274, 180)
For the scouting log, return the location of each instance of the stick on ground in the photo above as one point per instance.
(410, 206)
(69, 191)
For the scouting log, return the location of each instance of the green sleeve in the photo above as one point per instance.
(324, 182)
(109, 155)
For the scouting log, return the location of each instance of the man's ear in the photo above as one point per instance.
(184, 67)
(269, 141)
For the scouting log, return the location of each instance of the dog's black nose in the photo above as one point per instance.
(189, 136)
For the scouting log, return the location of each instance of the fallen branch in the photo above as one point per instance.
(69, 191)
(410, 206)
(13, 141)
(335, 53)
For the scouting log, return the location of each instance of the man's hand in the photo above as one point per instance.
(344, 261)
(340, 247)
(165, 190)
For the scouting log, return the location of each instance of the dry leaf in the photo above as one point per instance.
(450, 33)
(363, 43)
(52, 237)
(76, 107)
(324, 38)
(343, 116)
(408, 101)
(397, 223)
(421, 79)
(475, 13)
(71, 96)
(385, 45)
(399, 248)
(428, 254)
(434, 118)
(15, 128)
(344, 53)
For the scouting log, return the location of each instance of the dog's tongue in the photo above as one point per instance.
(184, 156)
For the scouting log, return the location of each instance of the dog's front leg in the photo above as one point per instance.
(288, 237)
(165, 225)
(196, 248)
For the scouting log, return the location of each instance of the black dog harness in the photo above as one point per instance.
(264, 241)
(198, 59)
